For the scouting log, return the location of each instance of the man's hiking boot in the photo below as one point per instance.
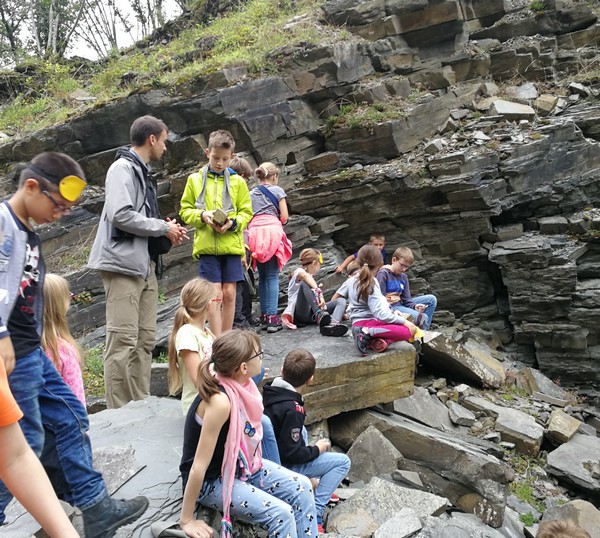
(323, 318)
(361, 340)
(273, 323)
(379, 345)
(335, 329)
(102, 519)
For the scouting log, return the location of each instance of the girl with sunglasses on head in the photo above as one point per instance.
(58, 344)
(306, 304)
(221, 463)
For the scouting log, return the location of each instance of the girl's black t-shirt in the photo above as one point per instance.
(191, 436)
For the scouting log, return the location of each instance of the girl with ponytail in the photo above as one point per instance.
(222, 465)
(270, 247)
(190, 342)
(374, 323)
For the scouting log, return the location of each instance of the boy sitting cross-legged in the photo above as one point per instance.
(284, 405)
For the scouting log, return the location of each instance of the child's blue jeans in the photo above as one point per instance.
(330, 468)
(53, 414)
(274, 498)
(429, 300)
(268, 286)
(268, 443)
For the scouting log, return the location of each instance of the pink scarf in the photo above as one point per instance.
(242, 447)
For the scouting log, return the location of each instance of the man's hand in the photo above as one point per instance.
(420, 307)
(323, 445)
(177, 234)
(7, 352)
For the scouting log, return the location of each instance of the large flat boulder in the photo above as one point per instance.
(344, 381)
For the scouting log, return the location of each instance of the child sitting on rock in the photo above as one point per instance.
(374, 324)
(284, 405)
(221, 463)
(377, 240)
(306, 304)
(393, 282)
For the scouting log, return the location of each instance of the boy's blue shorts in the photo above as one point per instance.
(219, 269)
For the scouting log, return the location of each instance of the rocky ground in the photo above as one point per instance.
(480, 444)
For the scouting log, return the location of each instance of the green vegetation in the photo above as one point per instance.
(528, 519)
(355, 116)
(526, 471)
(245, 36)
(162, 296)
(538, 6)
(93, 371)
(161, 358)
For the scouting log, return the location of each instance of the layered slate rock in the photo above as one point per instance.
(380, 500)
(344, 381)
(472, 362)
(513, 425)
(456, 467)
(576, 462)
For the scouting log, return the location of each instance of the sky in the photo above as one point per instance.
(80, 48)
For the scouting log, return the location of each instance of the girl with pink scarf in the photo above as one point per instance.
(221, 462)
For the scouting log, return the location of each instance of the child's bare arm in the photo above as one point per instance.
(344, 264)
(25, 477)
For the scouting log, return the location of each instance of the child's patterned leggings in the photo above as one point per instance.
(275, 498)
(387, 331)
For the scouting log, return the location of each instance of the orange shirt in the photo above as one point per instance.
(9, 410)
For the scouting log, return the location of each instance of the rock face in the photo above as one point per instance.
(452, 466)
(500, 210)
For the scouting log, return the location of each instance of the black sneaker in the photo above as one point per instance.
(335, 329)
(323, 318)
(361, 340)
(103, 519)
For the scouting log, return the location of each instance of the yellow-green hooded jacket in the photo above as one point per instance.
(195, 199)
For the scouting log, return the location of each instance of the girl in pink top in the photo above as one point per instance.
(58, 344)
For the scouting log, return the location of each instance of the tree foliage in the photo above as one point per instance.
(48, 29)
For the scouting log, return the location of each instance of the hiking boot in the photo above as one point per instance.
(323, 318)
(287, 322)
(361, 340)
(335, 329)
(379, 345)
(263, 322)
(273, 323)
(102, 519)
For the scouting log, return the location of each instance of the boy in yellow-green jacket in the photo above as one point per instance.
(218, 241)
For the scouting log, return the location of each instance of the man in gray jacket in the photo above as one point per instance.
(122, 253)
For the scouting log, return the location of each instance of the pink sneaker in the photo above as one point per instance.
(379, 345)
(286, 321)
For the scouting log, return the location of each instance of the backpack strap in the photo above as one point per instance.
(272, 198)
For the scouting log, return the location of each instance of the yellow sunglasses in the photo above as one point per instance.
(69, 187)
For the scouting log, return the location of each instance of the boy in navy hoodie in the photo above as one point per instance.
(284, 405)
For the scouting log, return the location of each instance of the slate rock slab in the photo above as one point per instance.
(573, 462)
(379, 501)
